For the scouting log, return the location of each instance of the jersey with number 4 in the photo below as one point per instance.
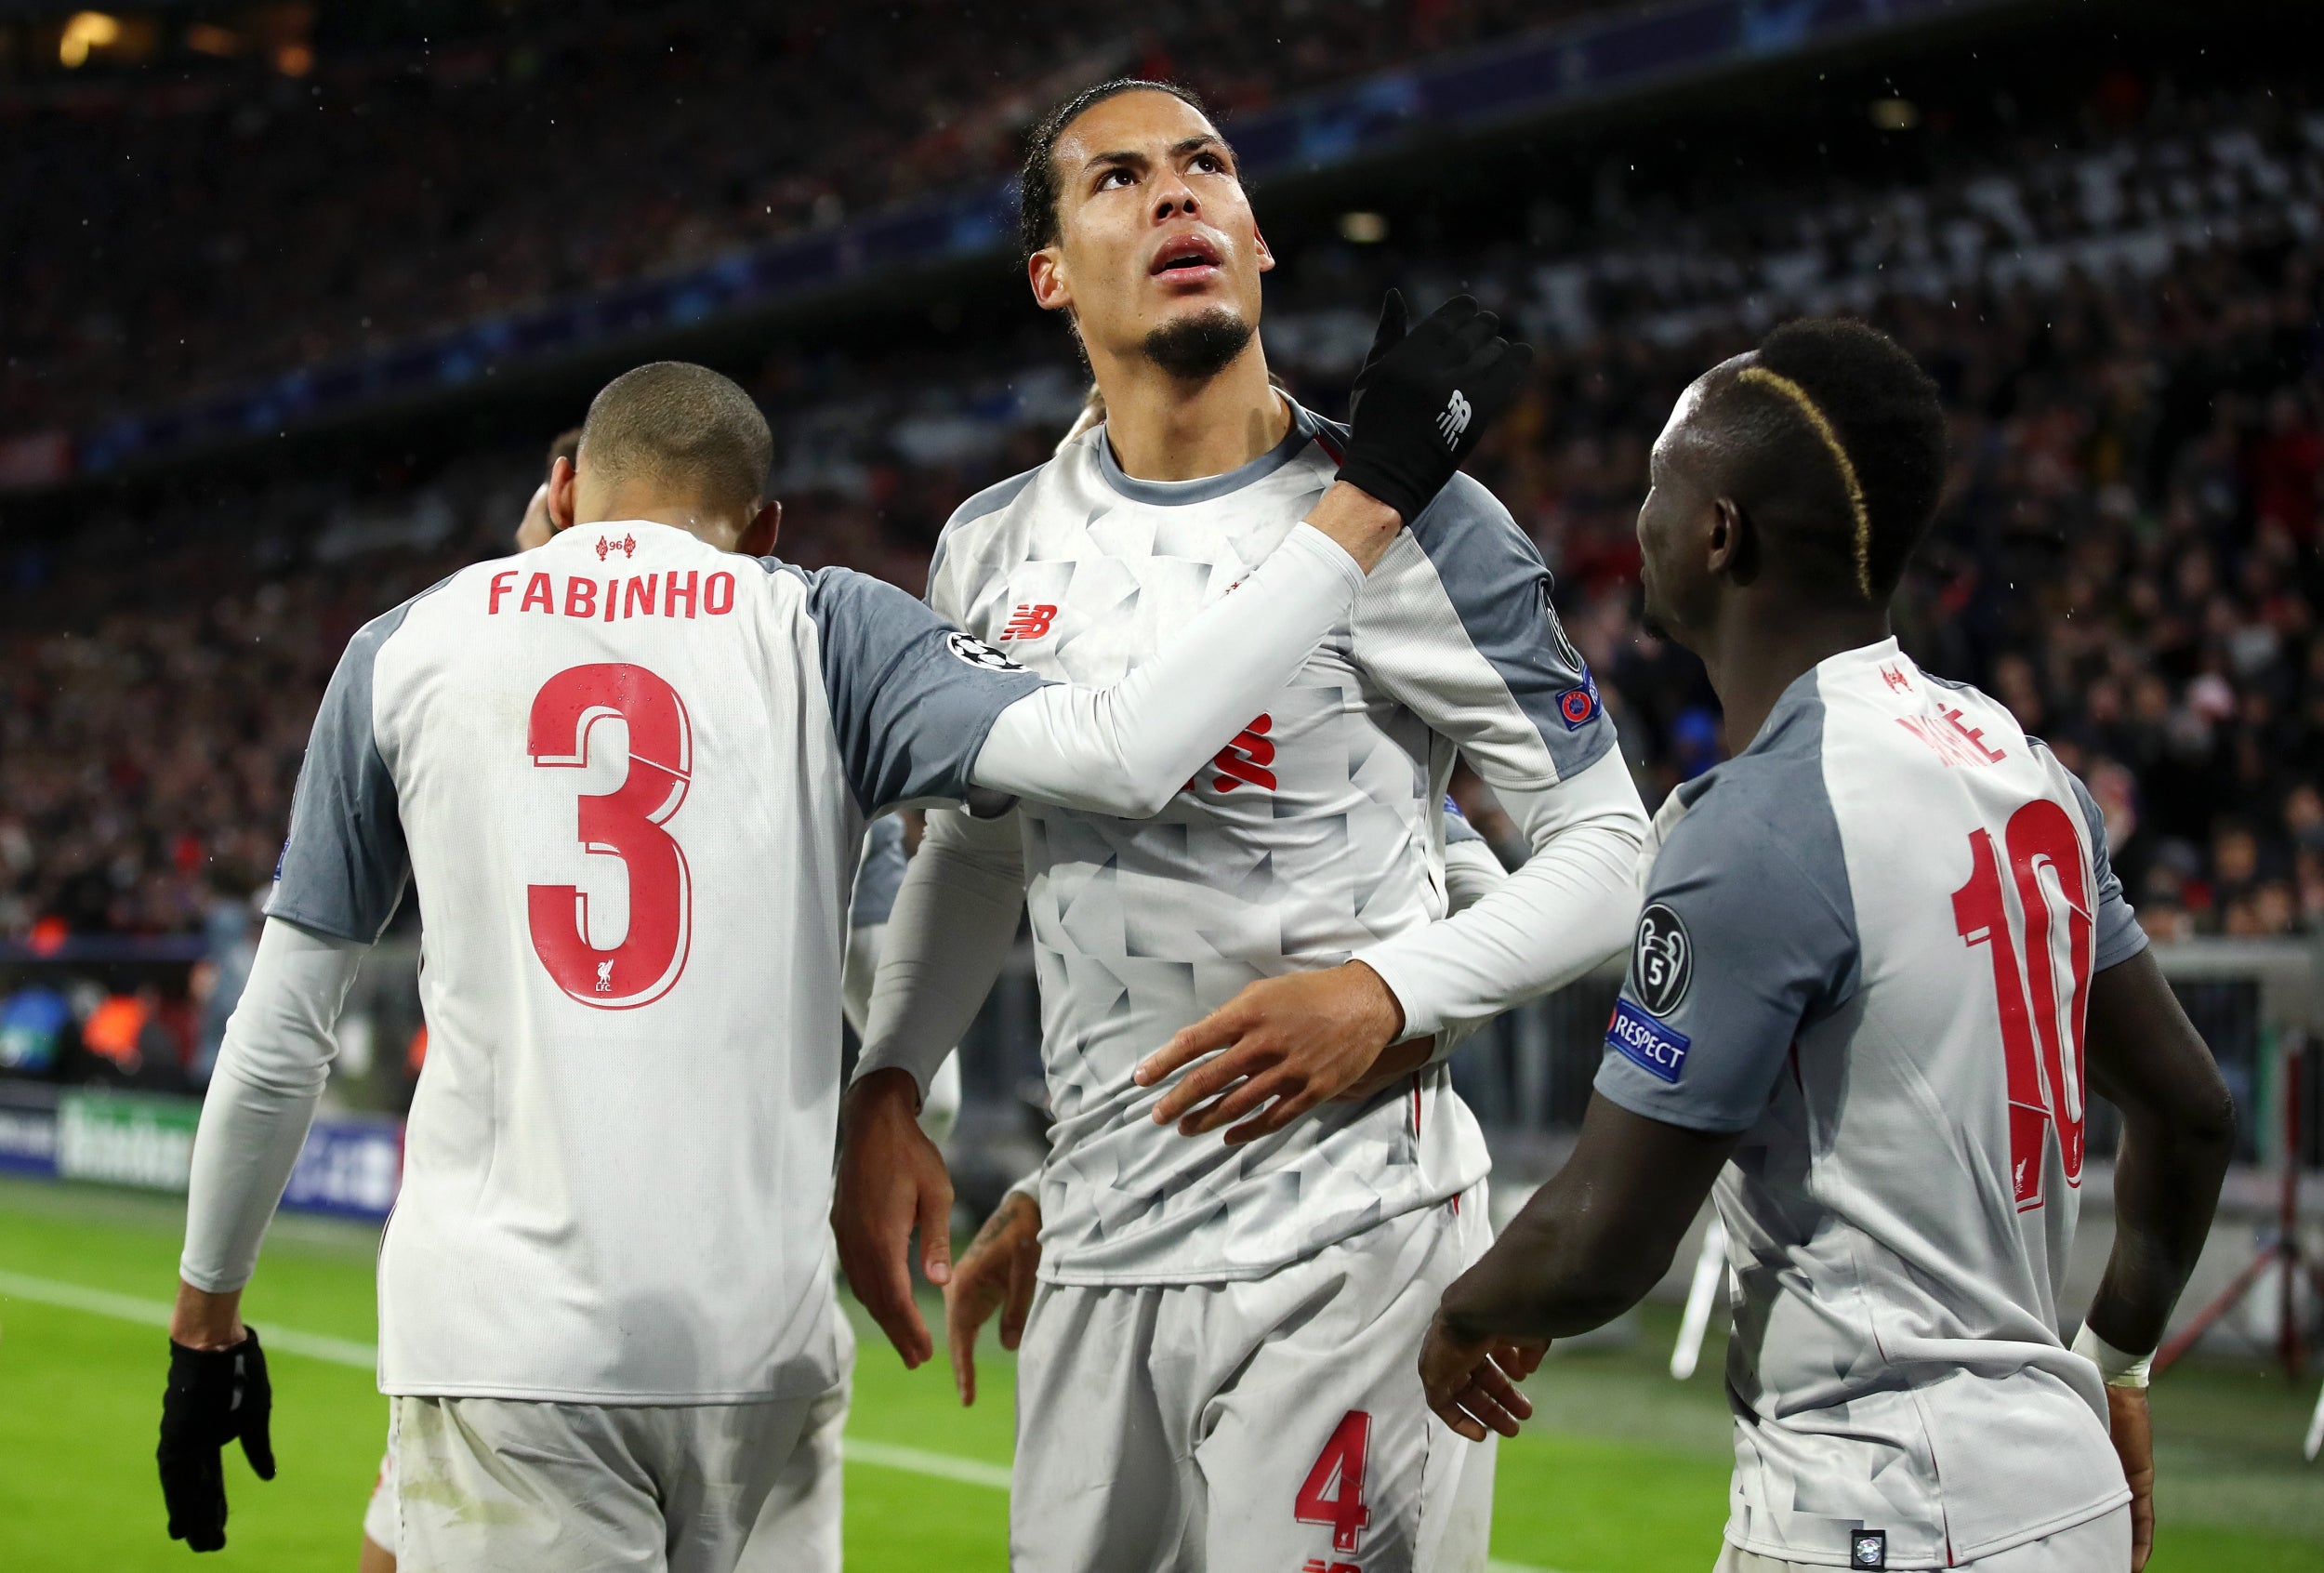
(1868, 944)
(629, 775)
(1317, 833)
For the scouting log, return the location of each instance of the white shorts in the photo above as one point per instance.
(2098, 1545)
(1275, 1425)
(379, 1512)
(496, 1486)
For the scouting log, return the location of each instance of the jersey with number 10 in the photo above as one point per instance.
(1868, 944)
(629, 775)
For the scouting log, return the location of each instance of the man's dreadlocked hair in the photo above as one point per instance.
(1037, 182)
(1840, 453)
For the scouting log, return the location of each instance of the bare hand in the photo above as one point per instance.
(1290, 1042)
(1473, 1386)
(890, 1178)
(996, 1274)
(2128, 1422)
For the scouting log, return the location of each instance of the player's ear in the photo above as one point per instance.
(1045, 269)
(1734, 543)
(561, 495)
(758, 537)
(1266, 256)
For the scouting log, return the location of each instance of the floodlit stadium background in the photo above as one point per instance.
(292, 297)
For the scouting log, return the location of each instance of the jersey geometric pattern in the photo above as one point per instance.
(1890, 906)
(630, 785)
(1317, 833)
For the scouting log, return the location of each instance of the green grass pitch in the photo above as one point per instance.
(1624, 1472)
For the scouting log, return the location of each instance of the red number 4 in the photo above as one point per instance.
(1333, 1492)
(2042, 987)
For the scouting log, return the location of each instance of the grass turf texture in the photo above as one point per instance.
(1624, 1471)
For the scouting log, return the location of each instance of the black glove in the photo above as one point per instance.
(1424, 399)
(214, 1396)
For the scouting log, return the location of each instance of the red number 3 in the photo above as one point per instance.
(625, 823)
(2042, 1035)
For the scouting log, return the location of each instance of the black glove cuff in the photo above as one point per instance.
(1408, 495)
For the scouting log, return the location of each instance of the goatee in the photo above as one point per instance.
(1198, 347)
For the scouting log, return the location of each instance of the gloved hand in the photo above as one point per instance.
(214, 1396)
(1424, 399)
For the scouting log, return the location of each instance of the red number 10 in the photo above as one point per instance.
(625, 823)
(2044, 996)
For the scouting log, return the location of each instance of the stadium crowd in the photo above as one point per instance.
(2125, 325)
(186, 230)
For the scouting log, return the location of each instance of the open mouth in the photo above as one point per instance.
(1188, 255)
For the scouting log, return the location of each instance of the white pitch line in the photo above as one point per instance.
(365, 1356)
(943, 1466)
(156, 1314)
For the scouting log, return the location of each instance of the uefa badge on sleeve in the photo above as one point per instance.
(1661, 960)
(976, 653)
(1868, 1548)
(1579, 706)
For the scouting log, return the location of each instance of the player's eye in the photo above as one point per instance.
(1105, 181)
(1211, 164)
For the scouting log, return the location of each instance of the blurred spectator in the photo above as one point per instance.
(2124, 325)
(179, 230)
(218, 979)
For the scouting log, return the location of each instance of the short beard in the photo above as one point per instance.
(1198, 347)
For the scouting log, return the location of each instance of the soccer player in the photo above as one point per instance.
(605, 1303)
(880, 867)
(1882, 954)
(536, 527)
(1216, 1372)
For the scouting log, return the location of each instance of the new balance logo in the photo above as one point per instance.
(1245, 760)
(1028, 621)
(1455, 420)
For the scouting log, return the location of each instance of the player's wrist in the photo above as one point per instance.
(2116, 1368)
(886, 1089)
(1356, 522)
(1383, 1012)
(206, 1320)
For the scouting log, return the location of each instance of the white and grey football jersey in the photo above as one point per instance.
(631, 775)
(1317, 833)
(1868, 943)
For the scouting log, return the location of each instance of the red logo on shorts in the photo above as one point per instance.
(1244, 761)
(1028, 621)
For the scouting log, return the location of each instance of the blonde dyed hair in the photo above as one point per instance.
(1797, 396)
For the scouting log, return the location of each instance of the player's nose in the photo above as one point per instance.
(1173, 198)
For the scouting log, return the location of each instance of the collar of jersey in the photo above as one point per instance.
(1210, 488)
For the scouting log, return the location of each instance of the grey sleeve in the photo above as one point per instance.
(879, 875)
(1533, 691)
(912, 697)
(344, 866)
(1748, 930)
(2120, 937)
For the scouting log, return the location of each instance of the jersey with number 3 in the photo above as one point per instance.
(1866, 944)
(629, 775)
